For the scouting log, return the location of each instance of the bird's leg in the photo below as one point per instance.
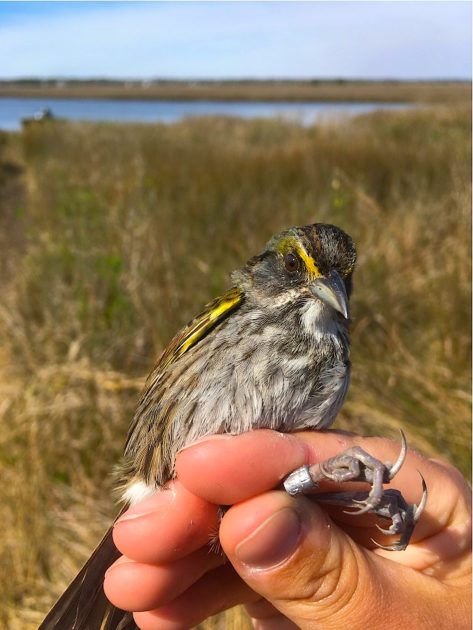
(355, 464)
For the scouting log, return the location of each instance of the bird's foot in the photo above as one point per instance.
(357, 465)
(392, 507)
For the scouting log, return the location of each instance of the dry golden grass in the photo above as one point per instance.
(112, 236)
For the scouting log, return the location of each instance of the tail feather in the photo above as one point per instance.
(84, 606)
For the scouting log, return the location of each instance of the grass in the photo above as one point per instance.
(112, 236)
(276, 90)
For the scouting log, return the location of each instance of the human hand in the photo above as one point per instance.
(290, 561)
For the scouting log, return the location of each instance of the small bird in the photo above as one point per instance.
(272, 352)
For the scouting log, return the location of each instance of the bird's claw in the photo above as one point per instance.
(396, 467)
(368, 506)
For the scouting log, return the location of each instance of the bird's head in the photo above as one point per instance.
(314, 262)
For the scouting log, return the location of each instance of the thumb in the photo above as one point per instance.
(290, 552)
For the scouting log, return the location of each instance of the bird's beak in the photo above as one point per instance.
(331, 290)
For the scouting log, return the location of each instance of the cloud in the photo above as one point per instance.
(227, 39)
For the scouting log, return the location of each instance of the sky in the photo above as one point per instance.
(192, 40)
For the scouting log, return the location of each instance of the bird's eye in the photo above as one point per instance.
(291, 262)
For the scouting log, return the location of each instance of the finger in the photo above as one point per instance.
(216, 591)
(258, 460)
(289, 552)
(261, 609)
(254, 462)
(135, 586)
(169, 525)
(266, 617)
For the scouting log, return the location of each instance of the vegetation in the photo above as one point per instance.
(113, 236)
(244, 90)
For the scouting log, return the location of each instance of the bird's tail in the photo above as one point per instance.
(84, 606)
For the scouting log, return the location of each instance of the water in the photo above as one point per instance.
(12, 110)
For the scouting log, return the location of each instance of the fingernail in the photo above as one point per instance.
(118, 563)
(147, 506)
(272, 542)
(130, 517)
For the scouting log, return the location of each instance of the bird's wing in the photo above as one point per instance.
(188, 337)
(200, 326)
(84, 606)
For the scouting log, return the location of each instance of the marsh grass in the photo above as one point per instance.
(234, 90)
(113, 236)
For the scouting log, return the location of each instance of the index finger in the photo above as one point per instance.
(229, 469)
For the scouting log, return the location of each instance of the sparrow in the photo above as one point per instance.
(271, 352)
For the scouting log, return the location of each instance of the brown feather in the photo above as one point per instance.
(84, 606)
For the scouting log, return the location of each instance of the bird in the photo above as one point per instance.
(271, 352)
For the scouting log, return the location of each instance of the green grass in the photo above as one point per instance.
(112, 236)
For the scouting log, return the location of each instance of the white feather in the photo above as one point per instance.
(318, 321)
(138, 492)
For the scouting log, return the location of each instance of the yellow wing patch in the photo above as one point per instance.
(201, 325)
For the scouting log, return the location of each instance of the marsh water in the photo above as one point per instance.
(13, 110)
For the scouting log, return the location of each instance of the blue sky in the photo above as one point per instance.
(236, 39)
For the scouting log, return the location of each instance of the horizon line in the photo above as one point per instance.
(157, 79)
